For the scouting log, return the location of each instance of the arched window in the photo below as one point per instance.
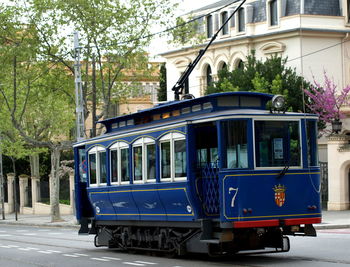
(222, 66)
(209, 77)
(240, 64)
(119, 157)
(223, 19)
(97, 166)
(144, 160)
(173, 157)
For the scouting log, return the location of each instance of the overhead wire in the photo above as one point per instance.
(163, 31)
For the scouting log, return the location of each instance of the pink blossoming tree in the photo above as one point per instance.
(326, 101)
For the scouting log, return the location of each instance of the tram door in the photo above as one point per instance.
(82, 204)
(207, 167)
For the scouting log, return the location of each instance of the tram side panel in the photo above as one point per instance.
(263, 199)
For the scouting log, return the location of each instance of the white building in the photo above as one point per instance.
(312, 34)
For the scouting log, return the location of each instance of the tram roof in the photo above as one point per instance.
(189, 107)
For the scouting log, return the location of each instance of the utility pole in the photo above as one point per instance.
(2, 191)
(79, 109)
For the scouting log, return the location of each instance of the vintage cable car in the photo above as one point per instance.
(219, 174)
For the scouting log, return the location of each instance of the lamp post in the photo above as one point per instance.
(336, 126)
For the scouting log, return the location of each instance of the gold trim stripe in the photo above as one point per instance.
(288, 215)
(136, 214)
(139, 190)
(266, 174)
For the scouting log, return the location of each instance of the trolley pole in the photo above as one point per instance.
(80, 122)
(2, 191)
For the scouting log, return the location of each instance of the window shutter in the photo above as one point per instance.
(250, 13)
(216, 22)
(283, 8)
(200, 25)
(232, 20)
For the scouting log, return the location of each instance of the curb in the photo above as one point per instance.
(51, 225)
(77, 226)
(332, 226)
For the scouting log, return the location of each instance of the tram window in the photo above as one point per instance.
(277, 143)
(180, 158)
(92, 167)
(236, 150)
(119, 163)
(165, 159)
(151, 161)
(137, 163)
(82, 165)
(124, 165)
(97, 166)
(202, 157)
(311, 131)
(114, 166)
(173, 157)
(102, 167)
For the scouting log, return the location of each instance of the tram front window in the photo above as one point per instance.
(235, 144)
(277, 143)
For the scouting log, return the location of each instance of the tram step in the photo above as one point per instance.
(211, 241)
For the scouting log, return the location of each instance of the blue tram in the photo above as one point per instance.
(219, 174)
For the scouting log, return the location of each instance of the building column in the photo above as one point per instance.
(10, 192)
(71, 188)
(23, 192)
(337, 175)
(35, 191)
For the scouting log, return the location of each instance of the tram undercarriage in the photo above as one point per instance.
(183, 240)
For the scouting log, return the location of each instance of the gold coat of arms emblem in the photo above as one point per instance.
(280, 194)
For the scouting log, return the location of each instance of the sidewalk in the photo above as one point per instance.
(330, 220)
(68, 221)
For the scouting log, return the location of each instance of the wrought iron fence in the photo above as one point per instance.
(324, 183)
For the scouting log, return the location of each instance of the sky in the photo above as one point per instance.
(160, 45)
(188, 5)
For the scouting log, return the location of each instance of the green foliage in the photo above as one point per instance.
(271, 76)
(113, 32)
(162, 94)
(187, 32)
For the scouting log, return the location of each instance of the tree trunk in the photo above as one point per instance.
(55, 184)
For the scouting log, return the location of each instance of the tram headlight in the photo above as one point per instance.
(278, 102)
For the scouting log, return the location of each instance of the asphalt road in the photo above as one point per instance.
(24, 246)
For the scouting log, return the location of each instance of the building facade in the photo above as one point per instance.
(312, 34)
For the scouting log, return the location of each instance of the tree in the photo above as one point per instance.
(269, 76)
(162, 94)
(325, 101)
(37, 74)
(35, 94)
(188, 32)
(113, 32)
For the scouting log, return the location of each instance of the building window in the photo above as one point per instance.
(173, 157)
(144, 160)
(119, 163)
(223, 20)
(209, 76)
(241, 20)
(222, 67)
(240, 64)
(273, 13)
(97, 166)
(209, 26)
